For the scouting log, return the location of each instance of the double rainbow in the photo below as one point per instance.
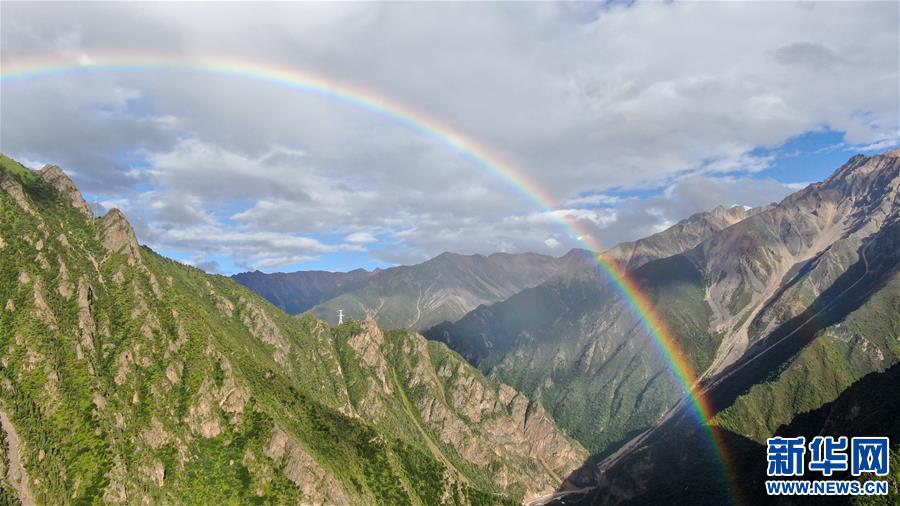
(440, 132)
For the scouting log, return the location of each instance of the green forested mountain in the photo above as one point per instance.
(127, 377)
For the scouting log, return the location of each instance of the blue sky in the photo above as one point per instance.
(809, 157)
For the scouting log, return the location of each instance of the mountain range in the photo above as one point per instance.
(128, 377)
(297, 292)
(419, 296)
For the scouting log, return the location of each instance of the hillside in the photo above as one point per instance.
(577, 347)
(126, 377)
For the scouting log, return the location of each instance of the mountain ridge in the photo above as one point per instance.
(415, 296)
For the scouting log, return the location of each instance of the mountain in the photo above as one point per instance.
(297, 292)
(419, 296)
(126, 377)
(450, 285)
(804, 291)
(810, 376)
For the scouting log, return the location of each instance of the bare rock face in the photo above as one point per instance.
(15, 472)
(368, 345)
(118, 236)
(817, 229)
(318, 486)
(59, 180)
(484, 422)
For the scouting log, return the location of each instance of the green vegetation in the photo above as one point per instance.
(867, 340)
(130, 377)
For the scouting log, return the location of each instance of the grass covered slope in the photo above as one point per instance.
(128, 377)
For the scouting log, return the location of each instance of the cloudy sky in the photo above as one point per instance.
(628, 117)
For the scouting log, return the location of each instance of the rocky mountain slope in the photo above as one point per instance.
(482, 330)
(126, 377)
(576, 345)
(678, 238)
(420, 296)
(297, 292)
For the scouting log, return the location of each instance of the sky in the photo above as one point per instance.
(629, 117)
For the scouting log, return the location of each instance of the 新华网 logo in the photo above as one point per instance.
(792, 456)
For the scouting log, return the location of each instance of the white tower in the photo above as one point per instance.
(340, 316)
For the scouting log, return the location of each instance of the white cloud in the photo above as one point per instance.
(595, 199)
(360, 238)
(262, 249)
(879, 145)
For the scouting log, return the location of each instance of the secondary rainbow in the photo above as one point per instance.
(440, 132)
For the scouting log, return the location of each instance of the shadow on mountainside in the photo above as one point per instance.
(676, 464)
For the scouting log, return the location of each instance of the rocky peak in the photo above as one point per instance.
(858, 172)
(117, 235)
(678, 238)
(726, 216)
(55, 176)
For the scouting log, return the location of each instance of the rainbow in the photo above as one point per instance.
(440, 132)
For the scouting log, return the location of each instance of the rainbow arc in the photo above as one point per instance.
(665, 341)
